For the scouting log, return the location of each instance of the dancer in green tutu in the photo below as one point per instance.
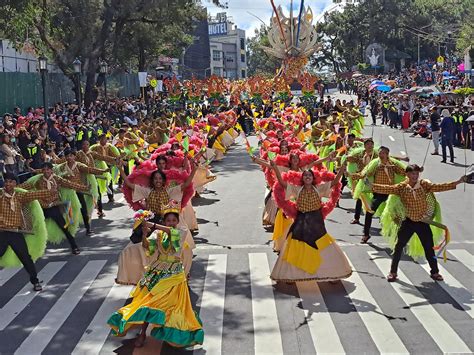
(61, 207)
(412, 209)
(17, 244)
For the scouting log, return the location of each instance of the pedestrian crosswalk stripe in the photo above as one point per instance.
(26, 294)
(322, 329)
(267, 333)
(464, 257)
(42, 334)
(212, 304)
(97, 331)
(7, 274)
(439, 330)
(378, 326)
(455, 289)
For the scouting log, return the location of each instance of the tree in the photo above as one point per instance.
(466, 33)
(393, 24)
(260, 62)
(114, 30)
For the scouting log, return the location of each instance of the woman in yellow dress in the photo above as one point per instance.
(161, 298)
(132, 259)
(309, 252)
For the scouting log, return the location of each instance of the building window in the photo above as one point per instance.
(216, 55)
(242, 58)
(218, 71)
(229, 59)
(243, 74)
(242, 43)
(231, 74)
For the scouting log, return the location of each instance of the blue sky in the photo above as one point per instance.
(243, 11)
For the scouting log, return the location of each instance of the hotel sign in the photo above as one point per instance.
(218, 29)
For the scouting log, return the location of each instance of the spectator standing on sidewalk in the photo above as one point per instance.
(447, 134)
(435, 129)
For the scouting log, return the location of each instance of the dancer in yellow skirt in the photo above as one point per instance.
(161, 298)
(309, 252)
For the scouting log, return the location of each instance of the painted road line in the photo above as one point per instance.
(97, 331)
(265, 320)
(212, 304)
(391, 138)
(455, 289)
(464, 257)
(7, 274)
(325, 338)
(443, 335)
(26, 294)
(378, 326)
(42, 334)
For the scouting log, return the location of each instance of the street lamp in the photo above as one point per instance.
(77, 70)
(43, 68)
(103, 71)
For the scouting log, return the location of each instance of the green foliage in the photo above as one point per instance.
(464, 91)
(120, 32)
(395, 25)
(466, 33)
(259, 62)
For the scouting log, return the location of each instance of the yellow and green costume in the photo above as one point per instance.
(161, 298)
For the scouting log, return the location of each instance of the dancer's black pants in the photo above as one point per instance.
(376, 202)
(85, 215)
(56, 215)
(358, 209)
(17, 242)
(425, 235)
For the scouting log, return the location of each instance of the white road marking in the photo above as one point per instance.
(391, 138)
(378, 326)
(443, 335)
(26, 294)
(42, 334)
(266, 327)
(212, 304)
(97, 331)
(7, 274)
(464, 257)
(325, 338)
(455, 289)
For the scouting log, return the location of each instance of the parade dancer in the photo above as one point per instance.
(92, 158)
(413, 194)
(104, 148)
(53, 206)
(357, 160)
(309, 252)
(11, 225)
(81, 174)
(384, 170)
(161, 298)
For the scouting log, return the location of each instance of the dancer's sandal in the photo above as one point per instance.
(365, 239)
(392, 277)
(437, 277)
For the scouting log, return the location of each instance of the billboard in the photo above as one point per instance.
(218, 29)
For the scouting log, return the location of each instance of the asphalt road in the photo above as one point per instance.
(242, 311)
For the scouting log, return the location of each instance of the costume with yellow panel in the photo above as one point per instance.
(309, 252)
(161, 298)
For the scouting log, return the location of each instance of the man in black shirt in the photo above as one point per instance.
(435, 129)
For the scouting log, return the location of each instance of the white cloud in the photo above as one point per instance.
(244, 12)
